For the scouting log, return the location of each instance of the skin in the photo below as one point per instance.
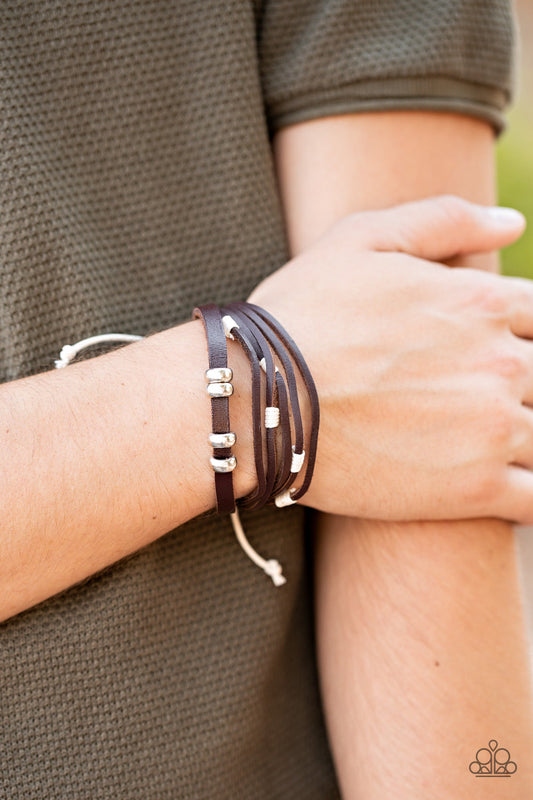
(420, 630)
(86, 481)
(404, 339)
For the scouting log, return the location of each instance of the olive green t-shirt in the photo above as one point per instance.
(137, 182)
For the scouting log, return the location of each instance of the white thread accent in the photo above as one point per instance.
(285, 499)
(70, 351)
(229, 323)
(297, 460)
(271, 417)
(272, 568)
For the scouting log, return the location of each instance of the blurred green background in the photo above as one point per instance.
(515, 149)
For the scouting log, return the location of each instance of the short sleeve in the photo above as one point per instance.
(322, 57)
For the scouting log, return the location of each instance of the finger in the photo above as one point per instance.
(515, 501)
(527, 392)
(525, 370)
(439, 228)
(520, 299)
(486, 262)
(522, 453)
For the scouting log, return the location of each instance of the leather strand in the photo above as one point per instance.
(311, 390)
(218, 357)
(263, 352)
(240, 335)
(266, 344)
(277, 345)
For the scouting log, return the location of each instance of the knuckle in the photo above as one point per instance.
(500, 420)
(493, 301)
(454, 208)
(500, 430)
(488, 297)
(521, 292)
(480, 492)
(374, 230)
(508, 365)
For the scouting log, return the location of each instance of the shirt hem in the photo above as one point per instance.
(429, 94)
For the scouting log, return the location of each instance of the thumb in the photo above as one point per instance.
(439, 228)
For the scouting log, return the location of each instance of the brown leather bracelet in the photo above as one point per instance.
(278, 345)
(261, 337)
(305, 372)
(273, 377)
(219, 388)
(284, 470)
(283, 476)
(252, 500)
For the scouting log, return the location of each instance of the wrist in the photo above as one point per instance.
(195, 415)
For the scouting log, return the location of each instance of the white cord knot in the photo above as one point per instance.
(270, 567)
(70, 351)
(273, 569)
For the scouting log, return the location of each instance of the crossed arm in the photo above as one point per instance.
(420, 629)
(85, 482)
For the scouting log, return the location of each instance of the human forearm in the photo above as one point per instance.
(423, 658)
(334, 166)
(86, 481)
(102, 458)
(327, 169)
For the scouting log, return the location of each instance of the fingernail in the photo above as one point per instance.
(506, 217)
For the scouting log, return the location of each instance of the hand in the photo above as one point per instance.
(425, 374)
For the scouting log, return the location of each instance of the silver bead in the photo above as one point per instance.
(219, 375)
(223, 464)
(219, 389)
(218, 440)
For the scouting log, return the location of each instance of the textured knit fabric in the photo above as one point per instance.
(137, 182)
